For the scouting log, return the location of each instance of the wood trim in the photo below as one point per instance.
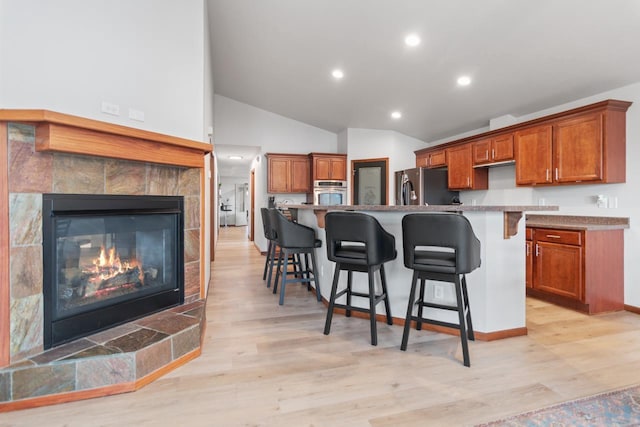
(480, 336)
(66, 139)
(203, 228)
(632, 308)
(101, 391)
(213, 207)
(386, 167)
(252, 205)
(611, 104)
(5, 294)
(52, 117)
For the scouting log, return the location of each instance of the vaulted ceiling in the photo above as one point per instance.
(521, 55)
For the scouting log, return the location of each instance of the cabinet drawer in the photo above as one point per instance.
(567, 237)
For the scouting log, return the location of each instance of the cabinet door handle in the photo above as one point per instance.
(468, 182)
(553, 236)
(547, 174)
(556, 174)
(486, 154)
(528, 250)
(537, 250)
(493, 153)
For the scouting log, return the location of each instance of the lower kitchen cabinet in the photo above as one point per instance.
(579, 269)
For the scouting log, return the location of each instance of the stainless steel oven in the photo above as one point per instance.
(329, 192)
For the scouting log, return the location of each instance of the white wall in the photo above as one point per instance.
(580, 199)
(371, 144)
(70, 55)
(237, 123)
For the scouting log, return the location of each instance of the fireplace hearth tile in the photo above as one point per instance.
(136, 340)
(62, 351)
(191, 212)
(43, 380)
(21, 132)
(113, 333)
(196, 312)
(78, 174)
(96, 350)
(104, 371)
(185, 308)
(192, 278)
(25, 210)
(153, 358)
(186, 341)
(26, 271)
(26, 326)
(169, 323)
(191, 245)
(29, 172)
(5, 387)
(162, 180)
(125, 177)
(189, 182)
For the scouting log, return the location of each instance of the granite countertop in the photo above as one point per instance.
(416, 208)
(569, 222)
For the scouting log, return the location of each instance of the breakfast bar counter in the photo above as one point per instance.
(496, 289)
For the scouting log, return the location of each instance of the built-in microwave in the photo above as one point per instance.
(329, 193)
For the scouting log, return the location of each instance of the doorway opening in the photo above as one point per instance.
(370, 181)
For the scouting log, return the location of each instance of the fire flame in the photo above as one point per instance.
(109, 265)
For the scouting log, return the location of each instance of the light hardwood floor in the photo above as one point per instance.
(270, 365)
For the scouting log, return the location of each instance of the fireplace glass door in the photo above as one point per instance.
(108, 266)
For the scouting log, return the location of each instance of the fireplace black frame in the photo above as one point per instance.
(59, 331)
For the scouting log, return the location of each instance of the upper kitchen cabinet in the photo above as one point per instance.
(461, 173)
(585, 145)
(493, 150)
(288, 173)
(431, 158)
(329, 166)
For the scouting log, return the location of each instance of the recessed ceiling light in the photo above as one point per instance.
(396, 115)
(235, 157)
(337, 73)
(464, 81)
(412, 40)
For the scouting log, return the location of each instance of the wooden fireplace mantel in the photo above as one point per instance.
(58, 132)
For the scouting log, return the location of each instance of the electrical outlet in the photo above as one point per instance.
(137, 115)
(438, 292)
(109, 108)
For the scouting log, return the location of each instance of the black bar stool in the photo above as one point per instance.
(294, 240)
(270, 235)
(357, 242)
(452, 250)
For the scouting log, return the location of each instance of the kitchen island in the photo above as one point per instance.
(496, 289)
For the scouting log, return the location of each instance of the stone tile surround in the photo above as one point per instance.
(119, 356)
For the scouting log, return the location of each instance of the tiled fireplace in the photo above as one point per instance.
(120, 358)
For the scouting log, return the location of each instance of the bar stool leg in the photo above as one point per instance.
(284, 277)
(420, 305)
(349, 281)
(408, 318)
(278, 267)
(372, 306)
(467, 309)
(332, 299)
(272, 261)
(461, 319)
(315, 276)
(387, 306)
(266, 261)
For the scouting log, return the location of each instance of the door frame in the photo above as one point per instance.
(213, 208)
(385, 160)
(252, 204)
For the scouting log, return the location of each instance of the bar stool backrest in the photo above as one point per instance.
(443, 230)
(269, 232)
(290, 234)
(343, 228)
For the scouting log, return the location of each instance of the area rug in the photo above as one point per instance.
(615, 408)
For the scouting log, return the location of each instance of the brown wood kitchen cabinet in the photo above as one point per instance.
(432, 159)
(587, 146)
(288, 173)
(493, 150)
(579, 269)
(529, 257)
(329, 166)
(461, 173)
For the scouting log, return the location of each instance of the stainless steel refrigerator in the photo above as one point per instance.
(420, 186)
